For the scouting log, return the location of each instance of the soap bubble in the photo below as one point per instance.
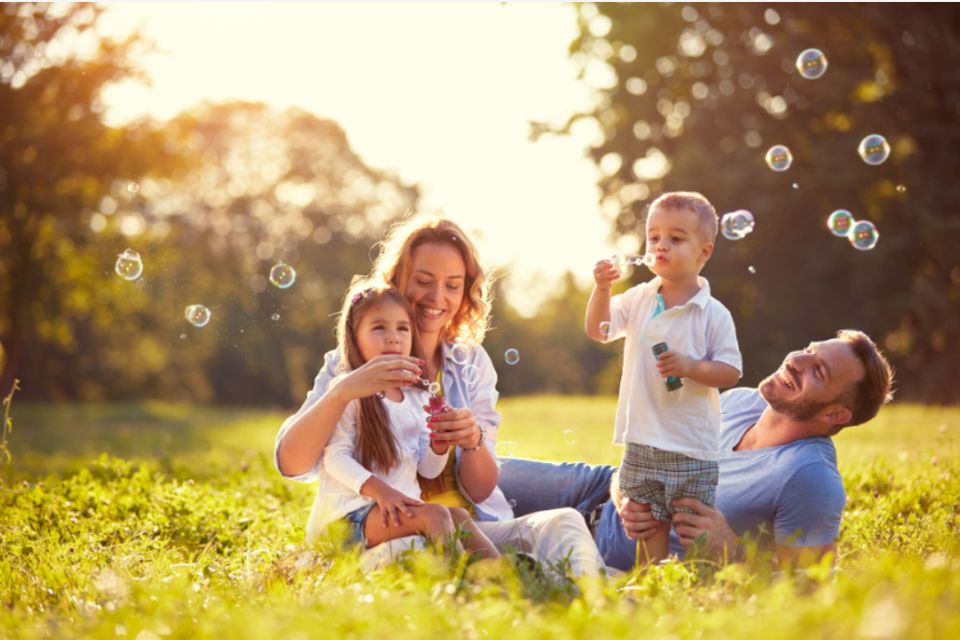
(901, 188)
(569, 437)
(275, 317)
(647, 259)
(751, 269)
(863, 235)
(183, 336)
(840, 222)
(282, 275)
(129, 266)
(460, 353)
(511, 356)
(470, 373)
(434, 387)
(796, 185)
(812, 64)
(605, 329)
(133, 187)
(197, 315)
(737, 225)
(505, 448)
(779, 158)
(874, 149)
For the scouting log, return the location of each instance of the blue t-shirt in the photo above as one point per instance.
(790, 494)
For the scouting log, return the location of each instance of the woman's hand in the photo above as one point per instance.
(379, 374)
(454, 427)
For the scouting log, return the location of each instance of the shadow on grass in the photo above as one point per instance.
(60, 438)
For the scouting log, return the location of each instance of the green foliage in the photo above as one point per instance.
(709, 88)
(191, 533)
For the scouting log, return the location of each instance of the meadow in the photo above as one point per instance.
(153, 520)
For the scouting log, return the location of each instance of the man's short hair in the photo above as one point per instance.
(693, 201)
(865, 397)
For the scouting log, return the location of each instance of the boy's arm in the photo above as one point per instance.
(605, 272)
(706, 372)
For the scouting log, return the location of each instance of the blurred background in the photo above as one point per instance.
(544, 130)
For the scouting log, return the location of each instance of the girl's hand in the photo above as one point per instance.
(454, 427)
(392, 503)
(673, 363)
(605, 272)
(379, 374)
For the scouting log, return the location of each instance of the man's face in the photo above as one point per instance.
(808, 381)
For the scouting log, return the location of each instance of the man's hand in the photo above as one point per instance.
(705, 520)
(637, 519)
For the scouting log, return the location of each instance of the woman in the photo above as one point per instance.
(435, 265)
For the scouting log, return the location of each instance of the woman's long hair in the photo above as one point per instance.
(376, 444)
(392, 265)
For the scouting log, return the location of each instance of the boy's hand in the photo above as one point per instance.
(605, 273)
(674, 363)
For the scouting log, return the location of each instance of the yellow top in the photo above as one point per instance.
(450, 497)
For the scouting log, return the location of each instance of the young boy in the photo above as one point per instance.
(668, 410)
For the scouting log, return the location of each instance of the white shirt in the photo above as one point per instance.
(477, 392)
(342, 475)
(687, 420)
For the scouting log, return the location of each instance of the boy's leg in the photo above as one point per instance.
(534, 485)
(641, 479)
(477, 541)
(430, 520)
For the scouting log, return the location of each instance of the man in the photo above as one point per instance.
(779, 481)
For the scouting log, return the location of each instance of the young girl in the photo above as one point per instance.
(382, 442)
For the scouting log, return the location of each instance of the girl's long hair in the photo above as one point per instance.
(376, 444)
(392, 265)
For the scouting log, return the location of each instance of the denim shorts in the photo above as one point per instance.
(356, 521)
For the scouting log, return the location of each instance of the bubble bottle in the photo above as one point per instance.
(672, 382)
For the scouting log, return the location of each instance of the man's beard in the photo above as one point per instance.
(797, 410)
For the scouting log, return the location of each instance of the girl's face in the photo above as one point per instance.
(435, 285)
(384, 328)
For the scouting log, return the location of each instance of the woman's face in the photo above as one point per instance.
(435, 285)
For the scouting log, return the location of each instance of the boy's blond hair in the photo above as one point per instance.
(691, 200)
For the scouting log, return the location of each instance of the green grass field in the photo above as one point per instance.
(150, 521)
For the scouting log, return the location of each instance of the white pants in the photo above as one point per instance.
(552, 536)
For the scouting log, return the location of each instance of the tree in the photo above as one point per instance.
(691, 97)
(57, 159)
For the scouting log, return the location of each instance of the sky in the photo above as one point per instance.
(442, 94)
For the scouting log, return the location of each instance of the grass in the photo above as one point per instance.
(149, 520)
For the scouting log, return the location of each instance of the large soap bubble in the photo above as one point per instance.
(129, 266)
(197, 315)
(864, 235)
(840, 222)
(283, 275)
(812, 64)
(874, 149)
(779, 157)
(737, 225)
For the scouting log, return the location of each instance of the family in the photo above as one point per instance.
(401, 425)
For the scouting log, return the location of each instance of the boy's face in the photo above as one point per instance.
(674, 239)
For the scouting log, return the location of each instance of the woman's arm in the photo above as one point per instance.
(303, 438)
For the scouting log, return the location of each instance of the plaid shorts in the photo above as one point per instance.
(656, 477)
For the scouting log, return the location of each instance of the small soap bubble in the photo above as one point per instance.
(197, 315)
(183, 336)
(751, 269)
(460, 353)
(812, 64)
(505, 448)
(275, 317)
(512, 503)
(874, 149)
(779, 158)
(511, 356)
(133, 187)
(129, 266)
(282, 275)
(569, 437)
(840, 222)
(605, 329)
(434, 387)
(737, 225)
(863, 235)
(470, 374)
(796, 185)
(901, 188)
